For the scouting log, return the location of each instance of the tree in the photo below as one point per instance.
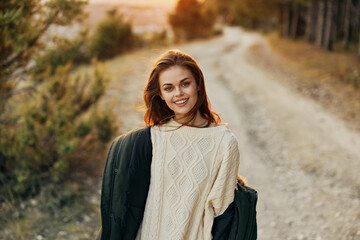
(46, 114)
(189, 21)
(222, 8)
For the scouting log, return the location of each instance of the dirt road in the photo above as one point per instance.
(303, 162)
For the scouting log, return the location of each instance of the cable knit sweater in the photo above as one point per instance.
(193, 177)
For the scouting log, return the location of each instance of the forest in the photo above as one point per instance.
(323, 22)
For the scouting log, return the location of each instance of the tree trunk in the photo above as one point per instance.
(320, 26)
(358, 26)
(330, 26)
(295, 20)
(336, 16)
(340, 18)
(347, 25)
(287, 18)
(359, 47)
(311, 22)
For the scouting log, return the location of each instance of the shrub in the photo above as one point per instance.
(112, 36)
(50, 132)
(46, 113)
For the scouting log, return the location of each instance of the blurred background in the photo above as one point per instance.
(283, 73)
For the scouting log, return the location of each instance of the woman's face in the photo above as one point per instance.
(178, 89)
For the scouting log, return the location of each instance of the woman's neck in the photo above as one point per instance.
(198, 120)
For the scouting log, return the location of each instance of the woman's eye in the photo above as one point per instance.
(186, 84)
(167, 89)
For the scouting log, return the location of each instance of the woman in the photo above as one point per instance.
(173, 178)
(195, 158)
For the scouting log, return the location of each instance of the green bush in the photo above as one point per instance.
(112, 36)
(51, 131)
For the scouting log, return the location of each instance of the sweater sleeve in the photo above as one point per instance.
(222, 191)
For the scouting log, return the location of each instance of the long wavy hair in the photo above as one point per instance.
(157, 111)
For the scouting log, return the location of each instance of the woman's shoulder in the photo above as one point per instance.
(229, 134)
(229, 139)
(132, 134)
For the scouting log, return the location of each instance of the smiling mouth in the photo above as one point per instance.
(182, 101)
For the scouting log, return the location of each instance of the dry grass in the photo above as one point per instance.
(71, 214)
(331, 78)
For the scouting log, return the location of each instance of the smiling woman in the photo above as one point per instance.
(183, 166)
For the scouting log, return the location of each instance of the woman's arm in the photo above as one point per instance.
(222, 193)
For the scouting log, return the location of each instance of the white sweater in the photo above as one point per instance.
(193, 177)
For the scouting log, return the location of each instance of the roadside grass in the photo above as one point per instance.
(331, 78)
(64, 211)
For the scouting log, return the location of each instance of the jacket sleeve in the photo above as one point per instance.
(222, 226)
(222, 192)
(105, 191)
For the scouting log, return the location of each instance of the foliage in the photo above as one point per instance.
(190, 21)
(220, 8)
(64, 50)
(22, 24)
(47, 114)
(40, 145)
(112, 36)
(252, 14)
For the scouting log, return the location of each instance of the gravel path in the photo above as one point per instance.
(303, 162)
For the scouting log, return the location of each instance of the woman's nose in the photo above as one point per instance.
(178, 91)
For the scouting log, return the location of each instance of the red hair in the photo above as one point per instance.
(157, 112)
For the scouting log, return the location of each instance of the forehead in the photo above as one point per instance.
(174, 75)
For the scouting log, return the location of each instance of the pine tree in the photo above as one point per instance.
(46, 113)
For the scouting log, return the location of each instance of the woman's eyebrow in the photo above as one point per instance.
(185, 79)
(180, 81)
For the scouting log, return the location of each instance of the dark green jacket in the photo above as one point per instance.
(125, 186)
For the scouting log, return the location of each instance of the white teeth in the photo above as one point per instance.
(179, 102)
